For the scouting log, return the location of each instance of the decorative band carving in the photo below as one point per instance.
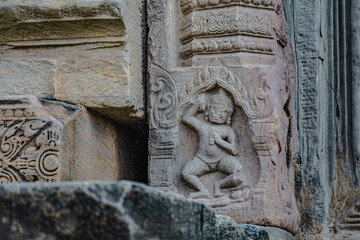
(226, 45)
(191, 5)
(231, 21)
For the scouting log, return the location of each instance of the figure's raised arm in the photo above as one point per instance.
(190, 117)
(230, 144)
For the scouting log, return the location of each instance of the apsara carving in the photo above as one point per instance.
(218, 146)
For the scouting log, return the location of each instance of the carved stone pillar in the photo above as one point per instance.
(221, 107)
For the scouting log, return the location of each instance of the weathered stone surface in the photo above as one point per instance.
(84, 52)
(313, 89)
(122, 210)
(221, 107)
(345, 208)
(42, 140)
(326, 36)
(229, 229)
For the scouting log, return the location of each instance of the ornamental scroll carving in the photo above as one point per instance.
(233, 21)
(163, 101)
(45, 141)
(28, 146)
(222, 110)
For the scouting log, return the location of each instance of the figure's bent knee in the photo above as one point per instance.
(230, 165)
(185, 173)
(238, 167)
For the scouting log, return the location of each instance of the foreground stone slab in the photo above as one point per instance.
(123, 210)
(42, 140)
(80, 51)
(221, 107)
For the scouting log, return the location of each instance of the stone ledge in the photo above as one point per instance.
(123, 210)
(52, 19)
(79, 51)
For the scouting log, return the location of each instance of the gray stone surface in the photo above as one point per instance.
(123, 210)
(79, 51)
(221, 107)
(326, 35)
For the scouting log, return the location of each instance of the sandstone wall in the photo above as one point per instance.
(78, 66)
(84, 52)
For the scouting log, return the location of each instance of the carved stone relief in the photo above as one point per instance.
(29, 144)
(221, 108)
(45, 141)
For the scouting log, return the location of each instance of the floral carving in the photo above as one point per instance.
(189, 5)
(219, 22)
(227, 45)
(28, 150)
(163, 101)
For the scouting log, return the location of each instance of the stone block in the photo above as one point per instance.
(46, 141)
(107, 211)
(83, 52)
(221, 107)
